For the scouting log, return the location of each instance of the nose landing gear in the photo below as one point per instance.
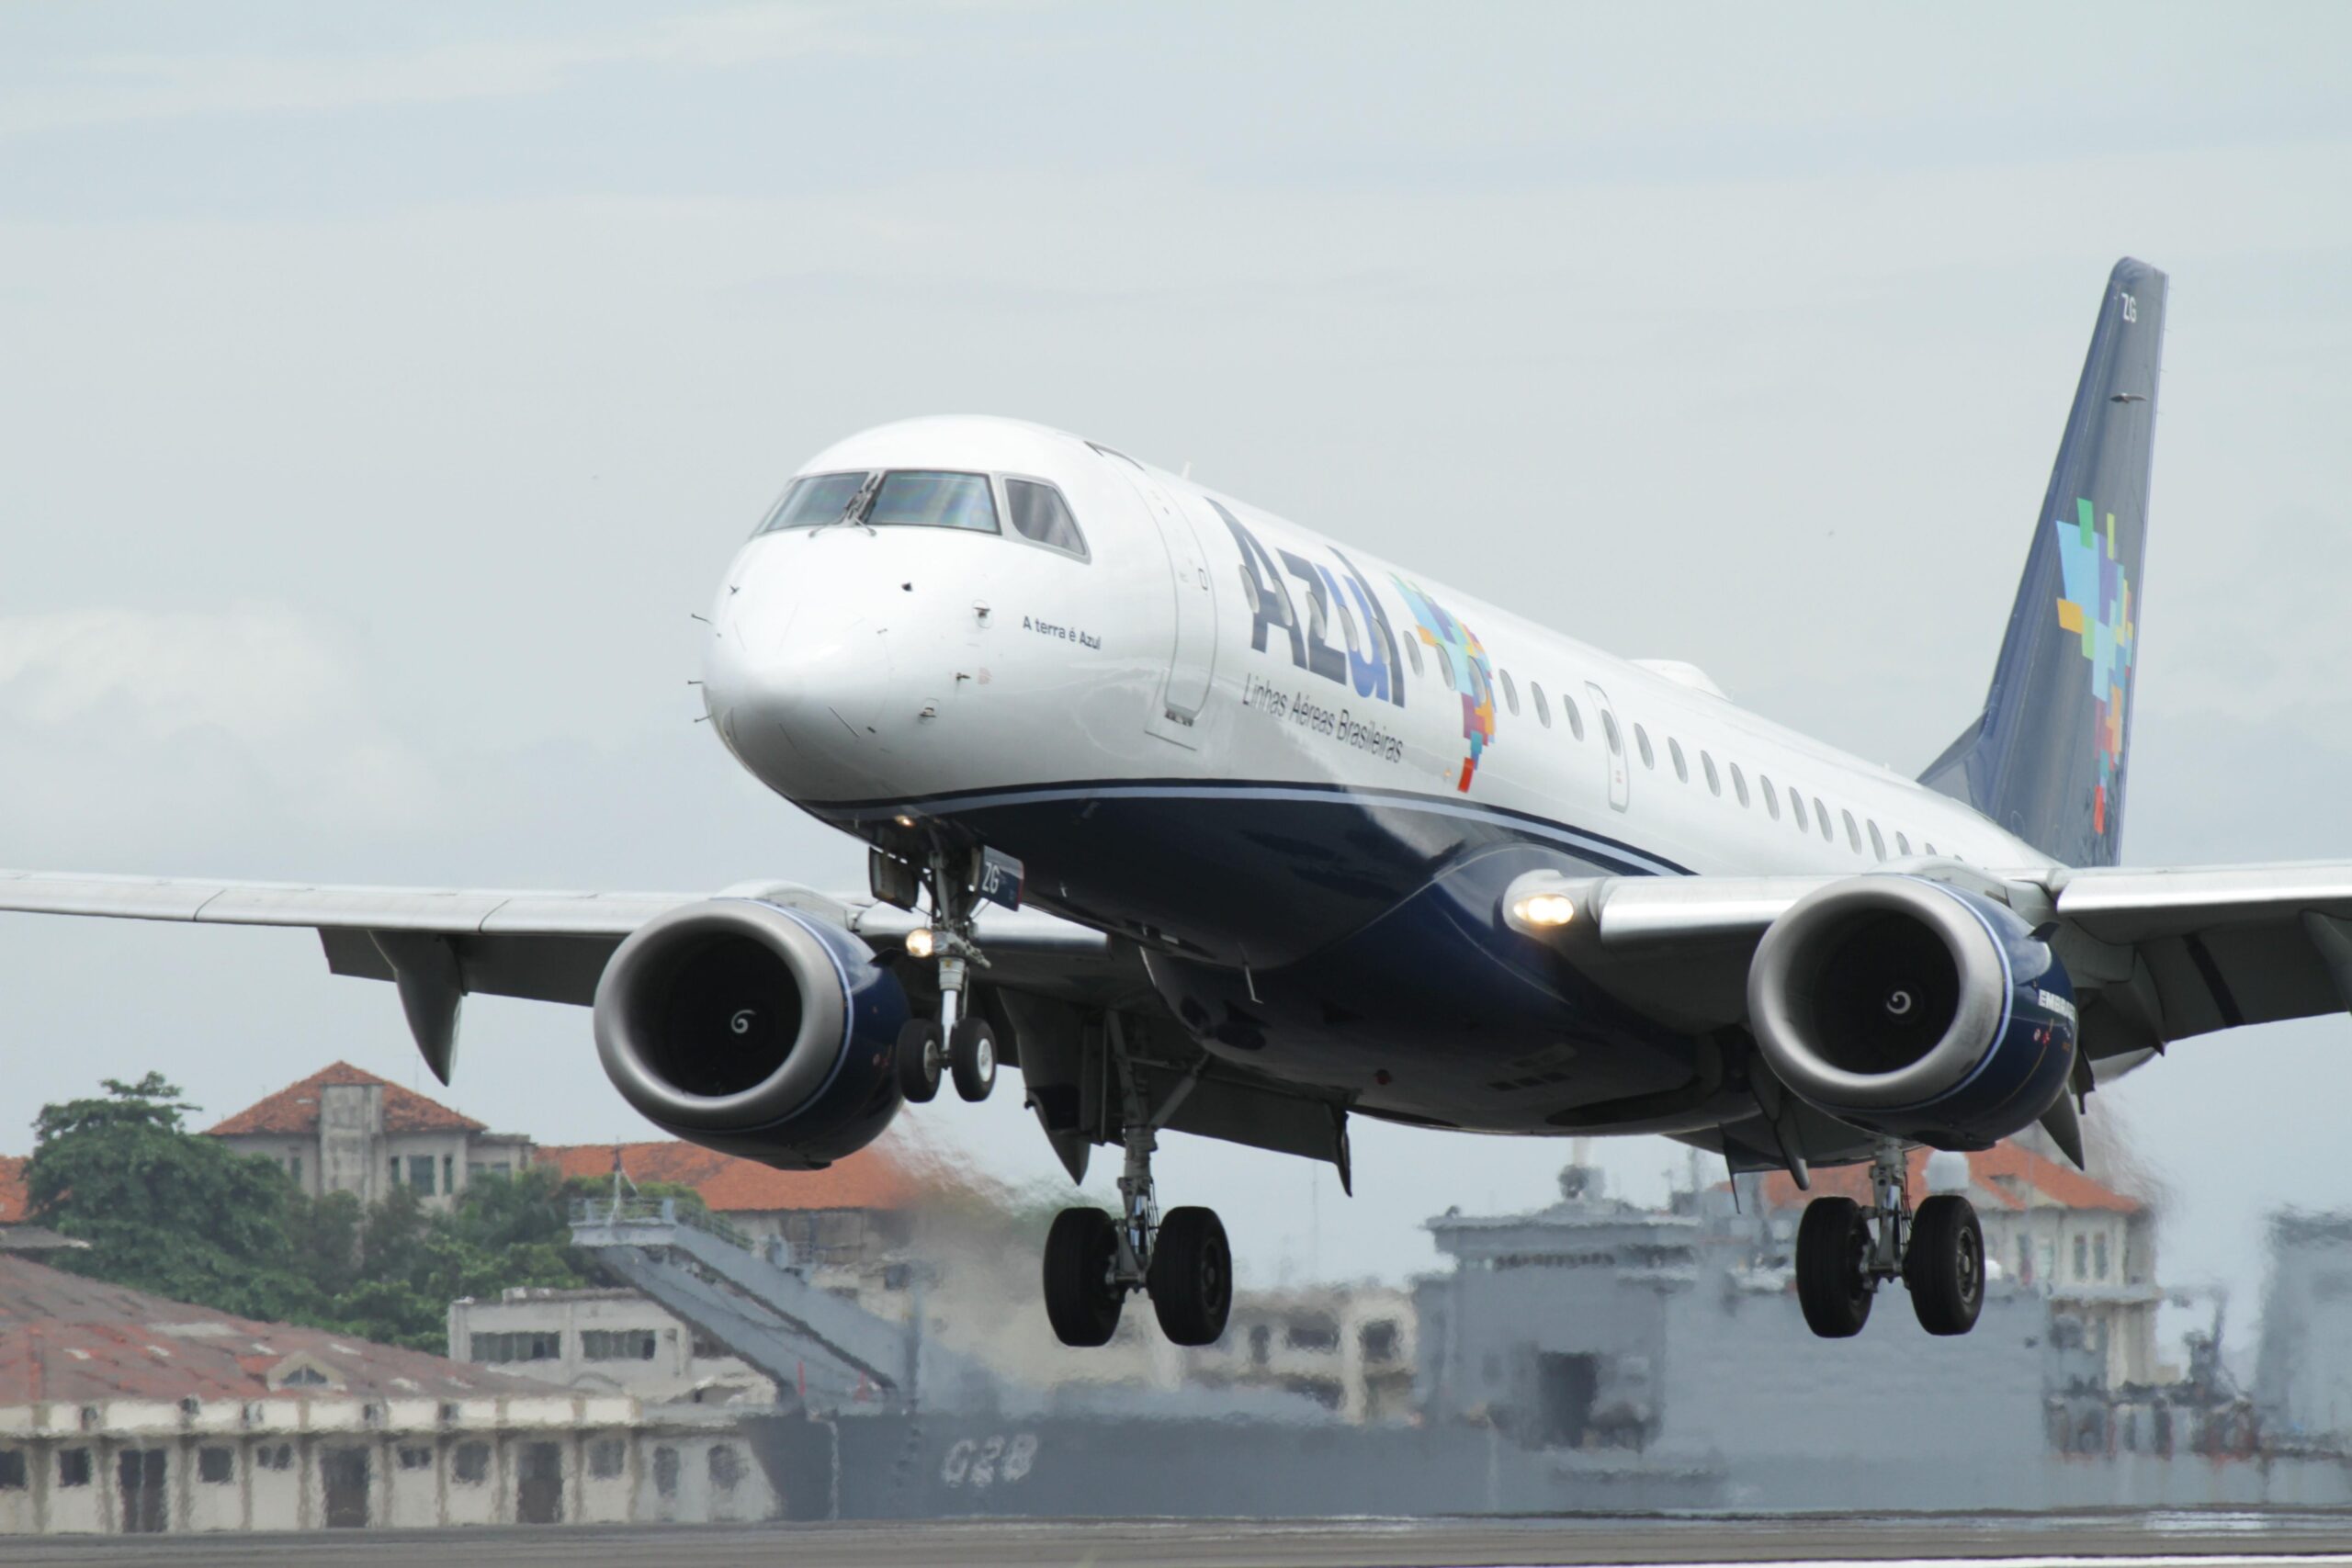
(1845, 1252)
(959, 1043)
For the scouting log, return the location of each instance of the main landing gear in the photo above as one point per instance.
(1845, 1252)
(1181, 1259)
(959, 1043)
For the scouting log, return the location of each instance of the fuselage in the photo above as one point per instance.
(1296, 774)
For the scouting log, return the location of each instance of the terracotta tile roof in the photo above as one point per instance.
(71, 1340)
(12, 1189)
(2005, 1175)
(880, 1176)
(294, 1108)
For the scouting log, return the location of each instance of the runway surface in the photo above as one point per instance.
(2208, 1540)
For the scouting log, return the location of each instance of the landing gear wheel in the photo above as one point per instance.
(918, 1060)
(1833, 1259)
(971, 1058)
(1191, 1278)
(1944, 1265)
(1080, 1300)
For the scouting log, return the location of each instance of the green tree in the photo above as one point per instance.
(164, 1209)
(176, 1213)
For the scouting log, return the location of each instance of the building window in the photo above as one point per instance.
(1315, 1332)
(419, 1174)
(665, 1470)
(415, 1456)
(2025, 1258)
(607, 1457)
(275, 1456)
(616, 1345)
(294, 1168)
(472, 1466)
(303, 1377)
(2098, 1255)
(1260, 1341)
(448, 1173)
(216, 1465)
(1379, 1340)
(725, 1466)
(493, 1349)
(2082, 1253)
(12, 1469)
(73, 1467)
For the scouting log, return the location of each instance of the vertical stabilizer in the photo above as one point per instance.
(2046, 759)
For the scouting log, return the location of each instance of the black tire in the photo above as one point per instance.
(1944, 1265)
(1080, 1302)
(1191, 1278)
(971, 1058)
(918, 1060)
(1832, 1249)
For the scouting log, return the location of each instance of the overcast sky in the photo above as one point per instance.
(380, 390)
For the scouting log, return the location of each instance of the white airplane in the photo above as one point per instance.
(1209, 823)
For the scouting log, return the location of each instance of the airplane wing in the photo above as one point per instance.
(438, 946)
(2157, 955)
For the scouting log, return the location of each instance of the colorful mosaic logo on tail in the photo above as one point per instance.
(1464, 660)
(2098, 607)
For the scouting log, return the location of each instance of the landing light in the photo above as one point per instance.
(922, 942)
(904, 820)
(1545, 909)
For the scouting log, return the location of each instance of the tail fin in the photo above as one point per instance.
(2046, 758)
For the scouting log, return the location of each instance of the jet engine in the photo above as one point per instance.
(1913, 1009)
(753, 1029)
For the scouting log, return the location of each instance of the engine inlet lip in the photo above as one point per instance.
(1780, 1008)
(809, 1064)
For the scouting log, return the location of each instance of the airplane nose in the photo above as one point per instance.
(798, 686)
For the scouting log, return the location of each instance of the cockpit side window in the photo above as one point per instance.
(815, 499)
(920, 498)
(1040, 515)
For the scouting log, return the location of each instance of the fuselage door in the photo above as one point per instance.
(1612, 748)
(1191, 660)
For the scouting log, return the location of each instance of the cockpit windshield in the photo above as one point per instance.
(928, 498)
(815, 499)
(915, 498)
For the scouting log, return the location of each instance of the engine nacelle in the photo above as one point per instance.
(1913, 1009)
(753, 1029)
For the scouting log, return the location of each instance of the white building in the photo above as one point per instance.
(343, 1130)
(1352, 1349)
(601, 1341)
(124, 1412)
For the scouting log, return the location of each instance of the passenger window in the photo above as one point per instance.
(1878, 845)
(1413, 652)
(1853, 834)
(1682, 767)
(1511, 694)
(1575, 718)
(1772, 797)
(1040, 515)
(1821, 818)
(1608, 728)
(1707, 766)
(1796, 808)
(1543, 708)
(1902, 844)
(913, 498)
(1928, 848)
(1739, 783)
(814, 499)
(1641, 740)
